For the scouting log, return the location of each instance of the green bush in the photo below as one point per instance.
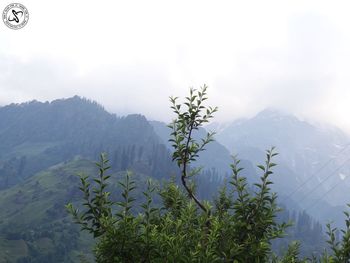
(238, 226)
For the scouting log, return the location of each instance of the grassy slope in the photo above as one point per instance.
(33, 220)
(36, 206)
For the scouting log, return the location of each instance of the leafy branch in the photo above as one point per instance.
(186, 148)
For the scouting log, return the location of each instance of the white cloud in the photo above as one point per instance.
(131, 55)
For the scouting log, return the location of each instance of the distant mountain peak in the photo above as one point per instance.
(75, 98)
(270, 112)
(274, 114)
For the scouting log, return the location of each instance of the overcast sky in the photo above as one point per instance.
(131, 55)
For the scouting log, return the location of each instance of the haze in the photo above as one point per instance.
(131, 55)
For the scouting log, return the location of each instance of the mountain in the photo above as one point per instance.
(44, 145)
(36, 135)
(313, 164)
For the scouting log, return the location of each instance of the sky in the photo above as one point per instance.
(130, 56)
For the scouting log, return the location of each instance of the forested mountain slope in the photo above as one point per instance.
(37, 135)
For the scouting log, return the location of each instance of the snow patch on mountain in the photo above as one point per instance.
(342, 176)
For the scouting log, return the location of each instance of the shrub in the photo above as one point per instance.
(238, 226)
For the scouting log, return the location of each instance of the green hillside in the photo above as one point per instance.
(37, 135)
(34, 223)
(35, 226)
(39, 146)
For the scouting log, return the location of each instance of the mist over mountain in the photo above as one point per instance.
(88, 173)
(45, 144)
(313, 164)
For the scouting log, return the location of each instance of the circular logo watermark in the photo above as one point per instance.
(15, 16)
